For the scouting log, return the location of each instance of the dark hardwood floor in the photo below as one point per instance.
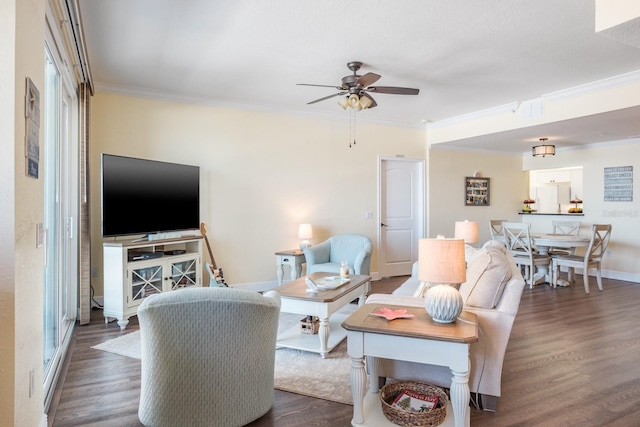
(572, 360)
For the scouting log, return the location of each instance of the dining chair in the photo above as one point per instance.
(518, 238)
(592, 259)
(571, 228)
(495, 229)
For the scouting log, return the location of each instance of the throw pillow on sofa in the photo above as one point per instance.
(487, 274)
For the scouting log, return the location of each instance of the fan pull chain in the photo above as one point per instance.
(352, 127)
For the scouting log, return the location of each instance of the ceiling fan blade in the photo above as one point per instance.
(373, 101)
(393, 90)
(327, 97)
(367, 79)
(333, 86)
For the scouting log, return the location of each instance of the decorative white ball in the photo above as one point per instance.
(443, 303)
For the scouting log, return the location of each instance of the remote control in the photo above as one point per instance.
(311, 284)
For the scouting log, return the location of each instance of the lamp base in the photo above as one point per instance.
(304, 245)
(443, 303)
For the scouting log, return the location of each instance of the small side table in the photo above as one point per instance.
(294, 258)
(420, 340)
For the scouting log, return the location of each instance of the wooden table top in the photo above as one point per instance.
(290, 252)
(564, 240)
(297, 289)
(463, 330)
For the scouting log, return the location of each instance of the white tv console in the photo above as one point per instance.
(134, 270)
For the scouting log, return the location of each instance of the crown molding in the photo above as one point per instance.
(139, 92)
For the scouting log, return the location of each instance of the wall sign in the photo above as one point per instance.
(32, 131)
(618, 184)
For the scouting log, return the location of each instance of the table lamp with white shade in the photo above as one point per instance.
(305, 232)
(441, 263)
(467, 231)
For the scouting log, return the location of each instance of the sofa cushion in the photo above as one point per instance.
(488, 271)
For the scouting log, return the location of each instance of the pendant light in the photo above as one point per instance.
(543, 149)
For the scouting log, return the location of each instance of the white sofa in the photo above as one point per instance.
(492, 291)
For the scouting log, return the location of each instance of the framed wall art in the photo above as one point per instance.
(476, 191)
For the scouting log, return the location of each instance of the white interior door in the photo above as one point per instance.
(401, 213)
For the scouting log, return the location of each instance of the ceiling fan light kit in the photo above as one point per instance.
(354, 93)
(544, 149)
(355, 89)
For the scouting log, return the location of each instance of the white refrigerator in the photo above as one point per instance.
(550, 197)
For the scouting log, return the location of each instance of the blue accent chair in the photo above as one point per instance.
(356, 249)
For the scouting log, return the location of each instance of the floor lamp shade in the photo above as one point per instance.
(467, 231)
(442, 263)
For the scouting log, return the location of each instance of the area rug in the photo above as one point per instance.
(296, 371)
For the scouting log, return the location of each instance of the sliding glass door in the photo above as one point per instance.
(59, 169)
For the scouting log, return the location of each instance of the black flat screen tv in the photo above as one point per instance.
(142, 196)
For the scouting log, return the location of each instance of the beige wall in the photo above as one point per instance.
(21, 305)
(7, 213)
(262, 174)
(446, 190)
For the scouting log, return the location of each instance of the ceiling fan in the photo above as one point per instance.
(357, 90)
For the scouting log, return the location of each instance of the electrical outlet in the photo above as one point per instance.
(94, 271)
(608, 253)
(368, 215)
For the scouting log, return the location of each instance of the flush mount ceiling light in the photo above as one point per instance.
(543, 149)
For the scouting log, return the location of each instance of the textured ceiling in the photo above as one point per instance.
(463, 55)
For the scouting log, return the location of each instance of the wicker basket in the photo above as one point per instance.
(404, 418)
(310, 325)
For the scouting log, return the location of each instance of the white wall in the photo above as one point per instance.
(262, 174)
(624, 247)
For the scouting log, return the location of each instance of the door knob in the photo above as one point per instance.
(382, 224)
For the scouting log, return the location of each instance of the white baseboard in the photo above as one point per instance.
(610, 274)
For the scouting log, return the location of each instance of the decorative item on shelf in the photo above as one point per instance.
(441, 263)
(544, 149)
(527, 206)
(467, 231)
(577, 201)
(305, 232)
(405, 417)
(310, 325)
(391, 314)
(344, 268)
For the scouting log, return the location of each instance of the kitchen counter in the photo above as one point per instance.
(557, 214)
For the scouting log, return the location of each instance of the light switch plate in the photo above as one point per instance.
(39, 235)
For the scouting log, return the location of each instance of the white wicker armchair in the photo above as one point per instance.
(208, 357)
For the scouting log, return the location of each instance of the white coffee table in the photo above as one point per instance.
(324, 304)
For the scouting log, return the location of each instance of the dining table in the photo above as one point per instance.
(544, 241)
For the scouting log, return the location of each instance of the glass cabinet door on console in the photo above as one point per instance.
(144, 280)
(183, 274)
